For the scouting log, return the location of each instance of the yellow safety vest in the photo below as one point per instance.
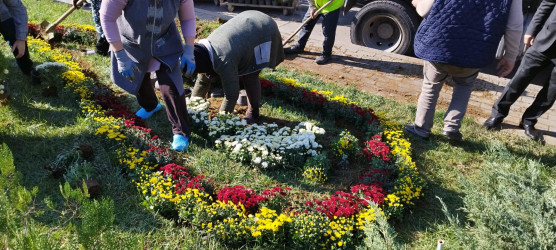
(336, 4)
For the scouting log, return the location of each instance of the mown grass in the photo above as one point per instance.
(50, 11)
(37, 129)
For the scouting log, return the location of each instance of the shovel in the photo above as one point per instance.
(47, 29)
(306, 21)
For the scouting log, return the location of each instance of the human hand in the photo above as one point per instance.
(74, 3)
(415, 2)
(505, 67)
(19, 45)
(126, 66)
(187, 60)
(528, 40)
(314, 13)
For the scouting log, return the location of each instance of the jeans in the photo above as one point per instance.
(329, 24)
(95, 8)
(434, 76)
(532, 63)
(7, 29)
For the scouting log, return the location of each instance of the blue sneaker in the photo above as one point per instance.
(180, 143)
(143, 114)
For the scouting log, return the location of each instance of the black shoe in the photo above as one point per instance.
(102, 46)
(250, 119)
(187, 92)
(493, 123)
(411, 129)
(323, 59)
(35, 77)
(454, 136)
(293, 50)
(533, 133)
(217, 93)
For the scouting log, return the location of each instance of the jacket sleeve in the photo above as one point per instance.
(109, 12)
(19, 14)
(187, 18)
(540, 17)
(514, 29)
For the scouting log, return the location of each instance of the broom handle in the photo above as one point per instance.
(306, 21)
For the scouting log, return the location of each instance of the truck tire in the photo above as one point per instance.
(388, 25)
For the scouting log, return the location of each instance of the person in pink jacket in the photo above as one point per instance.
(144, 38)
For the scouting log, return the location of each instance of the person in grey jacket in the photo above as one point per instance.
(236, 52)
(13, 27)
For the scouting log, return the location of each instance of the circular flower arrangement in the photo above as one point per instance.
(239, 215)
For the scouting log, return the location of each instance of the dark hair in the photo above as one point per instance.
(203, 64)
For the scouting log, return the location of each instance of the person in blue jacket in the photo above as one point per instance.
(457, 39)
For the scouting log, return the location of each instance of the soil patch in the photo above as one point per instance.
(386, 86)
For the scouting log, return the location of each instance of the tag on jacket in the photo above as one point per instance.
(262, 53)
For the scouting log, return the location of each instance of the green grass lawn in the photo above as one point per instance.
(50, 11)
(498, 188)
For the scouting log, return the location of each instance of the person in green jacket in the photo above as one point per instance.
(236, 52)
(330, 15)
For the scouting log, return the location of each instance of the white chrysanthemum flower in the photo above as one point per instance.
(314, 144)
(237, 148)
(257, 160)
(264, 164)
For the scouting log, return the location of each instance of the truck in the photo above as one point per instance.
(391, 25)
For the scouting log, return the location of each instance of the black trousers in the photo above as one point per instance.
(533, 62)
(7, 29)
(176, 107)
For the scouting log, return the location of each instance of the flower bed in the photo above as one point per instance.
(239, 215)
(77, 33)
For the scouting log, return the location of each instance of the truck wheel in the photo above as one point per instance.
(388, 25)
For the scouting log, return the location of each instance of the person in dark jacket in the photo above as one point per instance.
(541, 38)
(238, 51)
(330, 15)
(457, 39)
(13, 27)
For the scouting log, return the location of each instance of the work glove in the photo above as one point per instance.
(188, 60)
(126, 66)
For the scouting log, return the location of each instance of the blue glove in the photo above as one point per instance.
(188, 60)
(126, 66)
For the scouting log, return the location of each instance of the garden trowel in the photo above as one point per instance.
(47, 29)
